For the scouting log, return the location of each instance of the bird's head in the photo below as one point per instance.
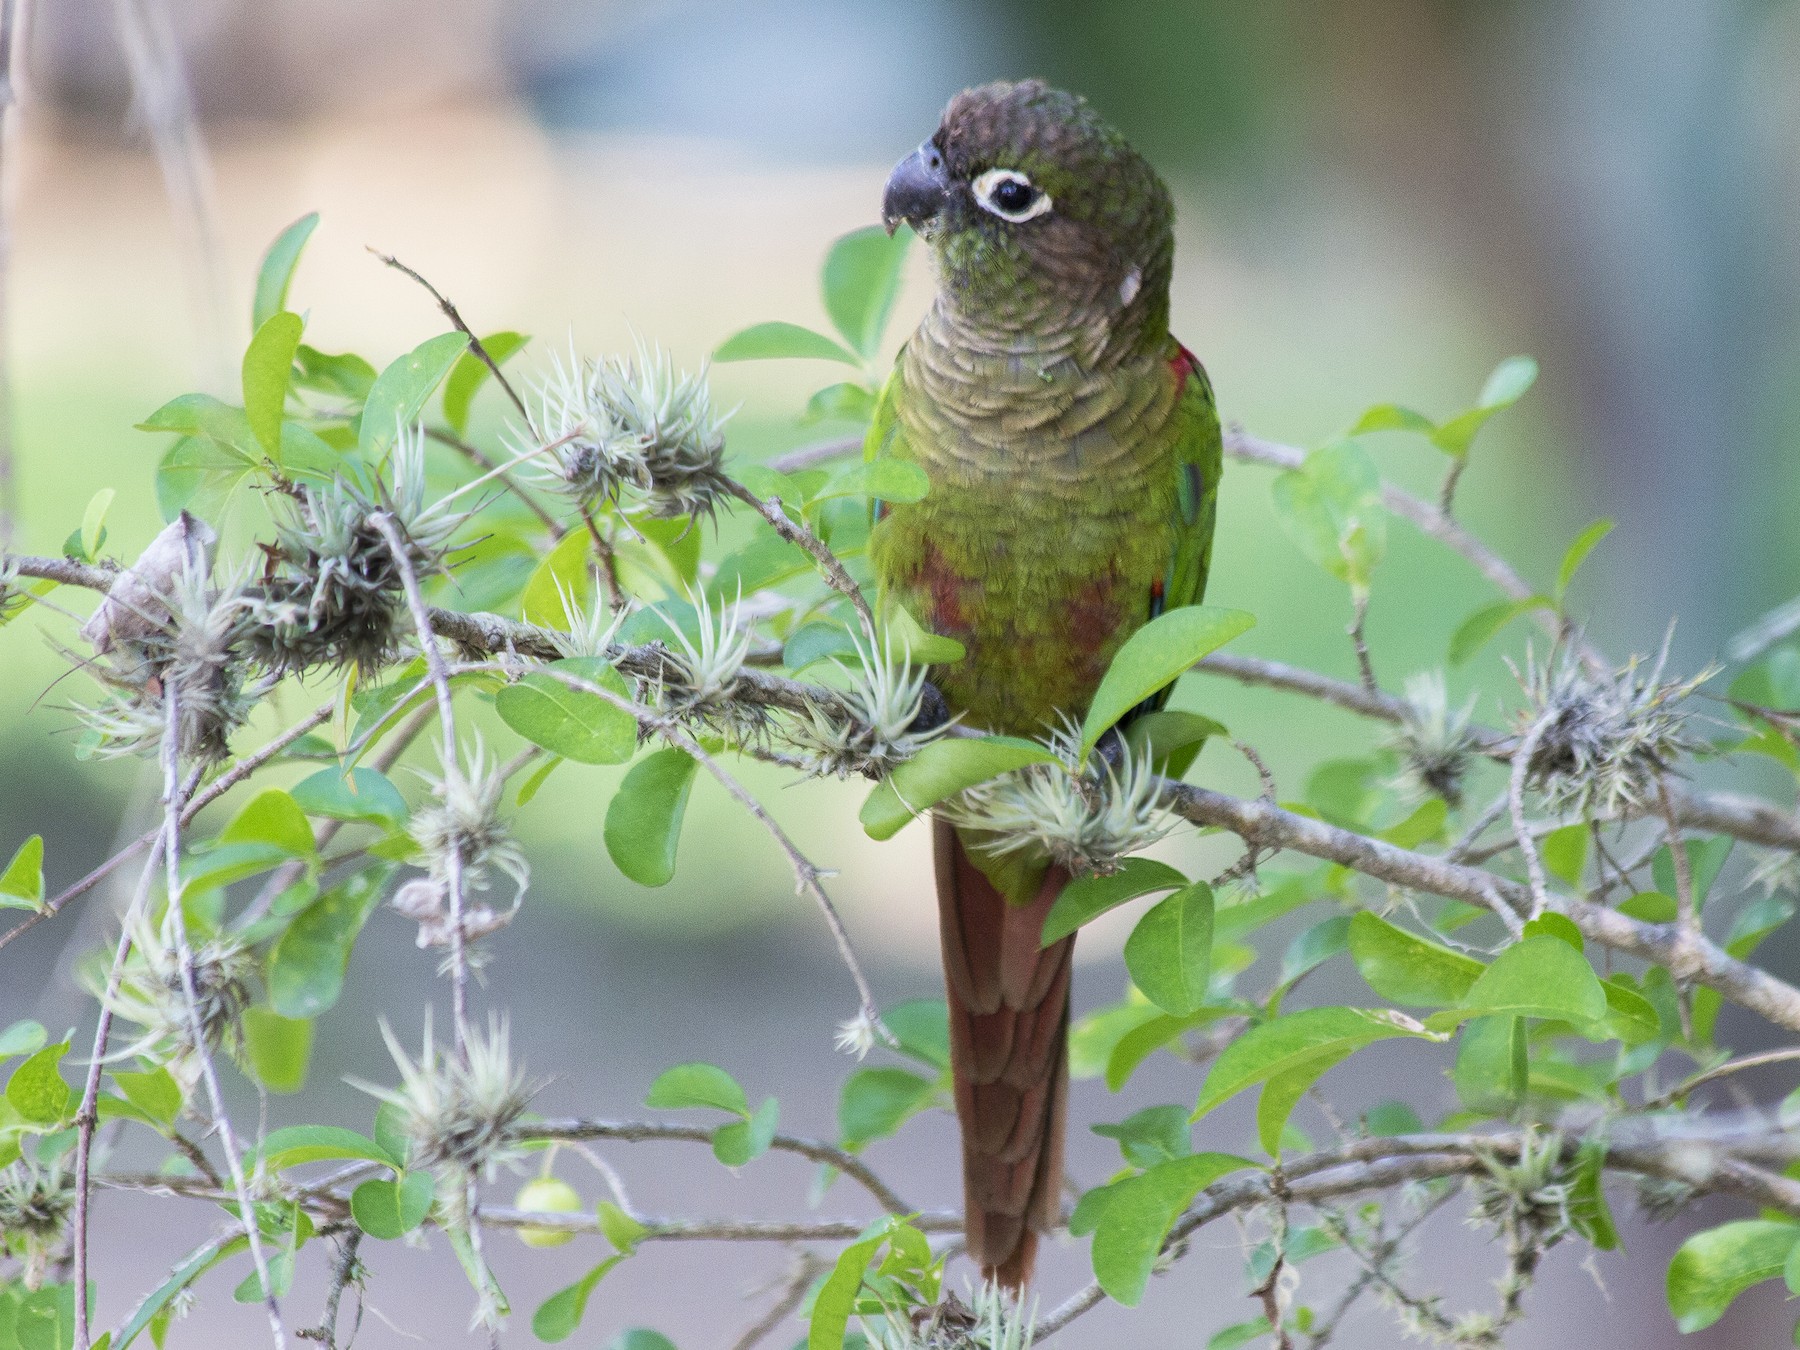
(1034, 208)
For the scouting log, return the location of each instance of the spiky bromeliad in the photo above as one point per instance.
(1073, 451)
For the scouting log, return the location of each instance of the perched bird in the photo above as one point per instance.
(1073, 451)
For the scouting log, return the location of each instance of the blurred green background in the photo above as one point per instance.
(1378, 201)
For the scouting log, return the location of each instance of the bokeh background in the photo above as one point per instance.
(1379, 199)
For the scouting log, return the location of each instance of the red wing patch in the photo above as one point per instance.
(1184, 363)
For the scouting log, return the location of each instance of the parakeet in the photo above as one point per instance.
(1073, 452)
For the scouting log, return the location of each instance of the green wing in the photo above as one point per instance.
(1199, 456)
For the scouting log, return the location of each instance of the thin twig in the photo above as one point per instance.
(809, 455)
(797, 534)
(449, 311)
(87, 1117)
(1515, 805)
(452, 764)
(343, 1271)
(806, 873)
(1725, 1070)
(793, 1294)
(184, 955)
(1365, 669)
(640, 1131)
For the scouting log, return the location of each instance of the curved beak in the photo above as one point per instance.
(917, 189)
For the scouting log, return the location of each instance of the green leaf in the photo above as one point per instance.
(361, 795)
(22, 1038)
(1632, 1017)
(817, 642)
(1588, 1209)
(1511, 378)
(272, 817)
(1482, 626)
(154, 1092)
(1651, 907)
(400, 392)
(198, 474)
(941, 770)
(184, 1275)
(777, 340)
(1577, 554)
(564, 580)
(1713, 1267)
(1157, 1134)
(1151, 1032)
(1706, 858)
(1393, 417)
(1239, 1334)
(1154, 657)
(845, 401)
(1331, 508)
(903, 635)
(1283, 1092)
(223, 863)
(640, 1338)
(1291, 1042)
(277, 270)
(862, 277)
(1507, 385)
(93, 522)
(1314, 946)
(346, 375)
(1406, 969)
(573, 723)
(836, 1299)
(1169, 953)
(559, 1315)
(1483, 1073)
(890, 480)
(922, 1026)
(1538, 976)
(1132, 1220)
(390, 1209)
(298, 1144)
(307, 963)
(1086, 898)
(467, 375)
(697, 1084)
(874, 1103)
(279, 1048)
(744, 1141)
(203, 415)
(22, 883)
(1565, 852)
(268, 365)
(619, 1228)
(37, 1091)
(643, 821)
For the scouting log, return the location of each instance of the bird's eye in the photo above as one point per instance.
(1009, 194)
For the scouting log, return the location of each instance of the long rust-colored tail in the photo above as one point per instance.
(1009, 1031)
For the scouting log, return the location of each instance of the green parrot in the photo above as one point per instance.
(1073, 451)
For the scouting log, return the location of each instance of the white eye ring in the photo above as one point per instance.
(988, 183)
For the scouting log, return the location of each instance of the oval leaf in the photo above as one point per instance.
(573, 723)
(1086, 898)
(697, 1084)
(782, 341)
(1154, 657)
(268, 364)
(862, 276)
(470, 372)
(940, 770)
(1169, 953)
(643, 821)
(1291, 1042)
(1409, 970)
(276, 273)
(400, 392)
(1713, 1268)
